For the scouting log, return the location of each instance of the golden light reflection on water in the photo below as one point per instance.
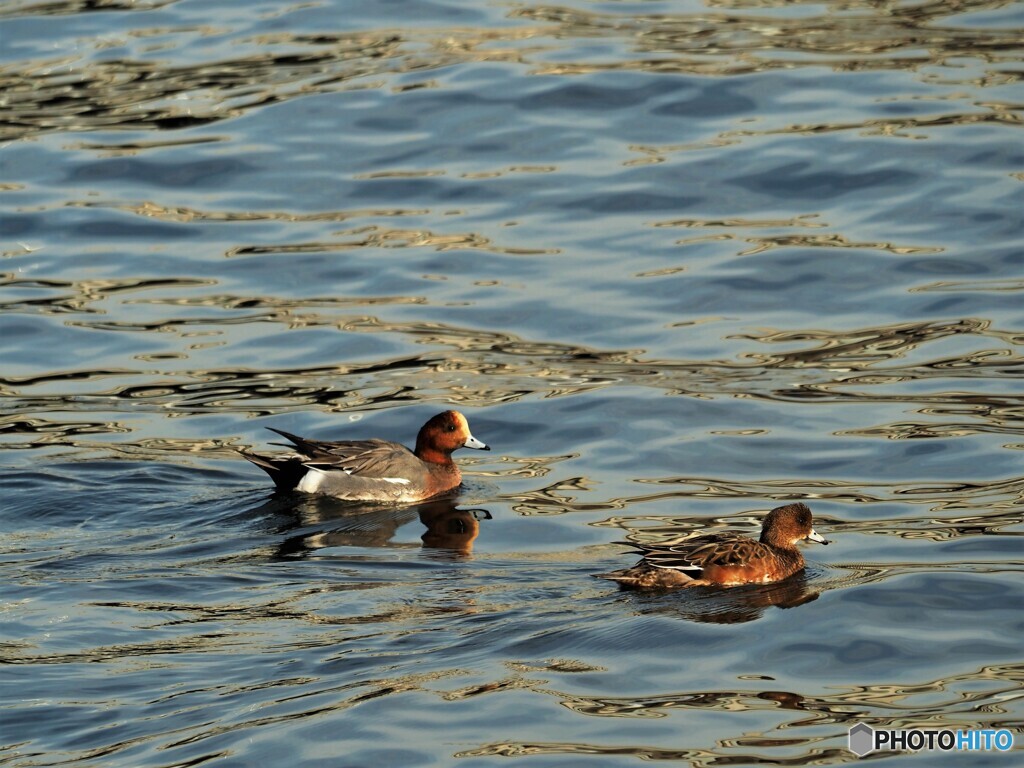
(1008, 114)
(381, 237)
(948, 495)
(970, 700)
(80, 294)
(975, 699)
(997, 504)
(68, 94)
(367, 236)
(695, 757)
(484, 367)
(184, 215)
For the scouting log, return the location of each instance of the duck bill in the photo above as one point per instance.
(815, 536)
(472, 442)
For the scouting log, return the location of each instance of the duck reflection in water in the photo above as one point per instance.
(736, 605)
(450, 528)
(321, 522)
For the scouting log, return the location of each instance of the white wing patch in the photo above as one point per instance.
(314, 478)
(311, 481)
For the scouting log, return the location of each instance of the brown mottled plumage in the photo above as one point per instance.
(725, 559)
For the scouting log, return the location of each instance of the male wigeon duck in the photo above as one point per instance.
(374, 470)
(725, 559)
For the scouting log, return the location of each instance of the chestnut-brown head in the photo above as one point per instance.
(787, 526)
(443, 434)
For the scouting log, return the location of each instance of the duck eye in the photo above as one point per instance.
(451, 427)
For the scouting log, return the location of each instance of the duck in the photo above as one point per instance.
(724, 559)
(374, 469)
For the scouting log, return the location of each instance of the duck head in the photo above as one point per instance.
(786, 526)
(443, 434)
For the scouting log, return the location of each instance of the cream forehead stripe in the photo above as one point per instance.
(461, 422)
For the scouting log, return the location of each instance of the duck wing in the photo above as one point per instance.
(362, 458)
(694, 555)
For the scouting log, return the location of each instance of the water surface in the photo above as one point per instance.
(677, 262)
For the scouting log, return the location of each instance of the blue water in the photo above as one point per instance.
(678, 263)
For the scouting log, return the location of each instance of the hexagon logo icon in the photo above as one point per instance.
(861, 739)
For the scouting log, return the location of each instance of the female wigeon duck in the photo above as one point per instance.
(725, 559)
(374, 470)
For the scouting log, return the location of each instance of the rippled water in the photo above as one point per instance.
(676, 261)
